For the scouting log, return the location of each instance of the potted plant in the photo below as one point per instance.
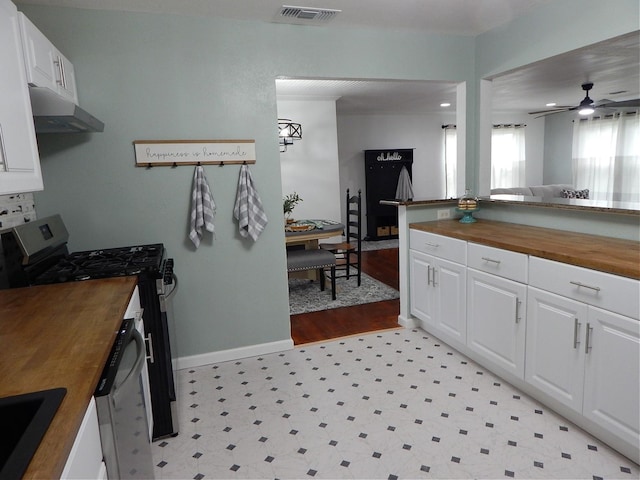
(289, 203)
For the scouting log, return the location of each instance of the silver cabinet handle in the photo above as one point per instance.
(487, 259)
(63, 73)
(434, 277)
(429, 244)
(576, 331)
(428, 275)
(518, 303)
(58, 63)
(579, 284)
(587, 347)
(149, 341)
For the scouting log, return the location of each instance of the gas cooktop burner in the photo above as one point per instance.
(112, 262)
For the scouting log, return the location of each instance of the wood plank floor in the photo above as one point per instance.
(340, 322)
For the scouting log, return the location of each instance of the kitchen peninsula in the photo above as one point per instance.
(553, 312)
(59, 336)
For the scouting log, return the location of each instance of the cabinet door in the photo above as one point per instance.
(612, 374)
(554, 348)
(39, 56)
(422, 292)
(85, 459)
(44, 64)
(496, 320)
(19, 161)
(450, 283)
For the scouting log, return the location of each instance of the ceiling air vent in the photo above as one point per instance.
(305, 15)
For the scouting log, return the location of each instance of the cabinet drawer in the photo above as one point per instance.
(439, 246)
(511, 265)
(610, 292)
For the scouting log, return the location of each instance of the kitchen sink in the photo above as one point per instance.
(24, 419)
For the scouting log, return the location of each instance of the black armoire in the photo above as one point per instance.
(382, 170)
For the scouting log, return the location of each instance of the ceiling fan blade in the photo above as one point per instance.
(620, 104)
(562, 108)
(551, 112)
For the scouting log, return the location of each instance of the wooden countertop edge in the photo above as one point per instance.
(51, 456)
(442, 228)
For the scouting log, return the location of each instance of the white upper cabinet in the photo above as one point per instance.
(45, 65)
(19, 159)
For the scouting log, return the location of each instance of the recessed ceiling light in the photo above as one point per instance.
(445, 104)
(552, 104)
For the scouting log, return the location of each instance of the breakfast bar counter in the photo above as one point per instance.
(605, 254)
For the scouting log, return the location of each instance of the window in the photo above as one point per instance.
(606, 157)
(450, 160)
(507, 156)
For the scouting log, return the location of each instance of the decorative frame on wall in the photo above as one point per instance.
(171, 153)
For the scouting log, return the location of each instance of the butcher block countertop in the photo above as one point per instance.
(611, 255)
(59, 336)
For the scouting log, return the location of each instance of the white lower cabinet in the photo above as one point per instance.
(496, 320)
(85, 459)
(568, 335)
(612, 374)
(438, 292)
(555, 359)
(588, 359)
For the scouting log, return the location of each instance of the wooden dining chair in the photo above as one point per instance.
(348, 252)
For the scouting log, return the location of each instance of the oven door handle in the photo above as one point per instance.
(135, 371)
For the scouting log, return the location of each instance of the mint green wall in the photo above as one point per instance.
(153, 76)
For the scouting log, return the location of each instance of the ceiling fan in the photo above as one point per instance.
(587, 106)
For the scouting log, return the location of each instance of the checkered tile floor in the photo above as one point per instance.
(389, 405)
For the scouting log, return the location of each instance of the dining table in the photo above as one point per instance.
(310, 232)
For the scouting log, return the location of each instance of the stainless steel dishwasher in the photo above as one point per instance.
(121, 409)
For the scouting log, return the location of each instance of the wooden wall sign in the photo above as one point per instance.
(169, 153)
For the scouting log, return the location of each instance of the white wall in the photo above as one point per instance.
(357, 133)
(310, 166)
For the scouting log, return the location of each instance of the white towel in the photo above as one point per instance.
(248, 208)
(203, 208)
(404, 190)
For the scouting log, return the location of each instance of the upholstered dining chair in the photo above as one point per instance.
(348, 252)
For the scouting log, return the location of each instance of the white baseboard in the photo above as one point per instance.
(407, 322)
(231, 354)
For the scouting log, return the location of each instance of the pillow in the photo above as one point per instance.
(575, 193)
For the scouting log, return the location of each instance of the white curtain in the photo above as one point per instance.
(508, 156)
(450, 160)
(606, 157)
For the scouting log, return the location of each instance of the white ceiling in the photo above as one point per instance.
(462, 17)
(612, 66)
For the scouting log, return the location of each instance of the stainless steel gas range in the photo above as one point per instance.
(36, 253)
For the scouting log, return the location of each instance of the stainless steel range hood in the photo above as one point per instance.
(55, 114)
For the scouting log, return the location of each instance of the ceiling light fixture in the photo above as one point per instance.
(288, 131)
(445, 104)
(552, 104)
(586, 105)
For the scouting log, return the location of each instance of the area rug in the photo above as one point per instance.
(305, 295)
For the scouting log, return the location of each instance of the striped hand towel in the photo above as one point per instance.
(203, 208)
(248, 208)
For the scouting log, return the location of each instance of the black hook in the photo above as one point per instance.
(174, 165)
(149, 166)
(199, 164)
(222, 163)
